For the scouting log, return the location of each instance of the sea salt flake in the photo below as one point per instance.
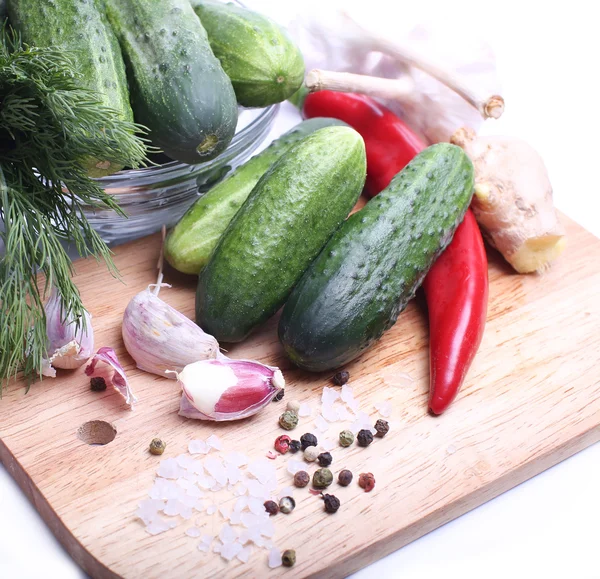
(194, 491)
(199, 506)
(188, 501)
(244, 554)
(211, 509)
(267, 528)
(206, 482)
(184, 483)
(321, 424)
(159, 525)
(169, 468)
(203, 547)
(174, 507)
(263, 470)
(225, 512)
(384, 407)
(275, 558)
(235, 518)
(234, 474)
(214, 442)
(216, 469)
(216, 488)
(256, 506)
(164, 489)
(240, 504)
(236, 458)
(228, 534)
(186, 513)
(185, 461)
(329, 413)
(294, 466)
(205, 543)
(191, 476)
(304, 410)
(329, 396)
(193, 532)
(240, 490)
(251, 519)
(198, 447)
(353, 406)
(258, 490)
(347, 393)
(148, 510)
(345, 414)
(217, 547)
(230, 551)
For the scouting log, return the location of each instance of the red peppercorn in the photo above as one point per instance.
(282, 443)
(366, 481)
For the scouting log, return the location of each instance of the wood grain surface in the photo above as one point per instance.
(532, 398)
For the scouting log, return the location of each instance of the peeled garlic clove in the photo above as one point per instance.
(161, 339)
(68, 346)
(113, 373)
(227, 389)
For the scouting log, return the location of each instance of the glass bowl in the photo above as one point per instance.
(160, 195)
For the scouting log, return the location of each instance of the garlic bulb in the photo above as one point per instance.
(226, 389)
(161, 339)
(68, 346)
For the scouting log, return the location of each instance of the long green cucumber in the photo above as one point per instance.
(262, 61)
(191, 242)
(178, 88)
(81, 28)
(289, 216)
(364, 277)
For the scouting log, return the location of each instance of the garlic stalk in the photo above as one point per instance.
(226, 389)
(70, 344)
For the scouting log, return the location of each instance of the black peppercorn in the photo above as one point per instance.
(382, 427)
(307, 440)
(341, 378)
(345, 477)
(332, 503)
(295, 445)
(279, 395)
(98, 384)
(288, 558)
(364, 438)
(271, 507)
(301, 479)
(325, 459)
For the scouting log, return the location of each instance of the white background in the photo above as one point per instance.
(548, 527)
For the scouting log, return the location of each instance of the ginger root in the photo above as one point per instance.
(513, 200)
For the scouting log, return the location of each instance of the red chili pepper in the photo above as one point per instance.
(390, 143)
(456, 287)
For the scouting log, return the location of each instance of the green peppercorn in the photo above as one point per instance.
(325, 459)
(364, 438)
(157, 446)
(346, 438)
(322, 478)
(288, 420)
(288, 558)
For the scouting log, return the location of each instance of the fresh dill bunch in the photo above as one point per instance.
(48, 126)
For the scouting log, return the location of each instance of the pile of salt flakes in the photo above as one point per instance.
(195, 486)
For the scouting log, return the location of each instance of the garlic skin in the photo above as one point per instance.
(160, 339)
(112, 371)
(227, 389)
(68, 347)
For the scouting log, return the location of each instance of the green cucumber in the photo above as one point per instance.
(262, 61)
(370, 269)
(289, 216)
(81, 28)
(191, 242)
(178, 88)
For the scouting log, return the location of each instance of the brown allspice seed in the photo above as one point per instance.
(382, 427)
(340, 378)
(157, 446)
(301, 479)
(271, 507)
(288, 558)
(345, 477)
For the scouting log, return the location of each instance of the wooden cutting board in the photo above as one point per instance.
(532, 399)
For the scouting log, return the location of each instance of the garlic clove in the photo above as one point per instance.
(227, 389)
(161, 339)
(114, 374)
(69, 346)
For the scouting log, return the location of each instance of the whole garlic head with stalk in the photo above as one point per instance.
(437, 77)
(513, 200)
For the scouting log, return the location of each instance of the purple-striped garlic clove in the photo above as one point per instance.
(227, 389)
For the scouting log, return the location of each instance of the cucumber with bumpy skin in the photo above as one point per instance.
(189, 245)
(364, 277)
(178, 88)
(262, 61)
(289, 216)
(80, 28)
